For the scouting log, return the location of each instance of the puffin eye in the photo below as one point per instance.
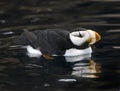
(80, 35)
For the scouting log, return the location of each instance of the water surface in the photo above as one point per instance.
(18, 72)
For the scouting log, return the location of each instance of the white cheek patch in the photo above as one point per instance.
(92, 36)
(76, 40)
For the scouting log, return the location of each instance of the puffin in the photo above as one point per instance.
(57, 42)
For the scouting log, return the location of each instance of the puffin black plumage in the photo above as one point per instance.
(55, 42)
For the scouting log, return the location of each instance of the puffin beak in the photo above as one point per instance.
(98, 37)
(94, 37)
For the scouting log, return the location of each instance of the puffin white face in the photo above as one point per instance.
(80, 37)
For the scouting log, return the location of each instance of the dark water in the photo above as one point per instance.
(21, 73)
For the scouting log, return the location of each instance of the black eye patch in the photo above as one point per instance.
(80, 35)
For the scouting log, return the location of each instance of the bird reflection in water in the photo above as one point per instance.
(88, 70)
(82, 66)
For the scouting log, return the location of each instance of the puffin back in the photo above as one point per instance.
(52, 41)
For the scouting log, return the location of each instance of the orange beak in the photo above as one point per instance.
(94, 37)
(98, 37)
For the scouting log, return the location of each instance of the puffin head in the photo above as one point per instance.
(78, 38)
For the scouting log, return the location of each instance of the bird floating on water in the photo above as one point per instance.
(58, 42)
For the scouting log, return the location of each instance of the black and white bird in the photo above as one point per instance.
(58, 42)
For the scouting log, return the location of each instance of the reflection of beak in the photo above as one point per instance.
(94, 37)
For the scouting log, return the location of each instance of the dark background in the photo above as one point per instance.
(16, 72)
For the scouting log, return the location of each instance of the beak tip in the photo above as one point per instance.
(98, 37)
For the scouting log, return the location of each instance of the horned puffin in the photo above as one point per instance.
(57, 42)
